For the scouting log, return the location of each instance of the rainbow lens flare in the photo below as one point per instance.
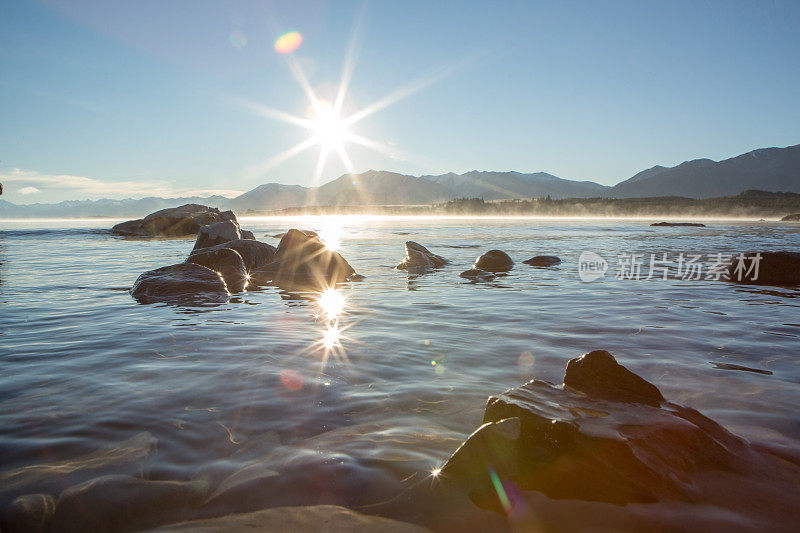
(288, 42)
(238, 39)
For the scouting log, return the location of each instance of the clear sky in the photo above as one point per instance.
(130, 99)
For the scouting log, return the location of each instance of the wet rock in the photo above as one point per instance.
(766, 268)
(226, 262)
(477, 274)
(494, 261)
(183, 281)
(791, 218)
(303, 260)
(678, 224)
(539, 438)
(30, 513)
(599, 375)
(173, 222)
(309, 518)
(418, 258)
(247, 234)
(218, 233)
(50, 478)
(543, 261)
(255, 254)
(125, 503)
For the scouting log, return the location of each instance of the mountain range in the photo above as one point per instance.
(768, 169)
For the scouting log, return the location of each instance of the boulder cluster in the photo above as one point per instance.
(226, 259)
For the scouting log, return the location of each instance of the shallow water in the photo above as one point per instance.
(401, 373)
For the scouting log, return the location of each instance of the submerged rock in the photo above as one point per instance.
(31, 513)
(308, 518)
(791, 218)
(303, 260)
(174, 221)
(613, 440)
(543, 261)
(179, 282)
(418, 258)
(477, 274)
(255, 254)
(226, 262)
(494, 261)
(766, 268)
(218, 233)
(125, 503)
(678, 224)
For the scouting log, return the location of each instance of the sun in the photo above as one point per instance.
(328, 127)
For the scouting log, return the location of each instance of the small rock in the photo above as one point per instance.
(679, 224)
(226, 262)
(476, 274)
(247, 234)
(766, 268)
(30, 513)
(494, 261)
(255, 254)
(125, 503)
(418, 258)
(179, 282)
(598, 374)
(218, 233)
(791, 218)
(543, 261)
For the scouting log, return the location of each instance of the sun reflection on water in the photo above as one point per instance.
(331, 234)
(331, 301)
(331, 337)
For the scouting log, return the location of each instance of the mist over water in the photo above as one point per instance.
(395, 366)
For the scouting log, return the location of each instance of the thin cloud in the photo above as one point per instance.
(81, 187)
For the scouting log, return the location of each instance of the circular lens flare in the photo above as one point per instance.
(288, 42)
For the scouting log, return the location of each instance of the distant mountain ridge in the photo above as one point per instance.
(768, 169)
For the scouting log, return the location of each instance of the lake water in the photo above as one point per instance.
(385, 376)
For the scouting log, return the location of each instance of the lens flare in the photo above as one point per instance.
(332, 302)
(331, 234)
(288, 42)
(238, 39)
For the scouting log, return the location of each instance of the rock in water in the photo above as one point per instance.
(255, 254)
(766, 268)
(599, 375)
(678, 224)
(226, 262)
(477, 274)
(418, 258)
(218, 233)
(184, 281)
(174, 222)
(543, 261)
(247, 234)
(125, 503)
(791, 218)
(494, 261)
(302, 260)
(30, 513)
(583, 446)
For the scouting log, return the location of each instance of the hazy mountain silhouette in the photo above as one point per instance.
(766, 169)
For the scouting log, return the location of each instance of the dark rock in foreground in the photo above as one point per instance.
(494, 261)
(183, 281)
(418, 258)
(477, 274)
(679, 224)
(303, 260)
(539, 438)
(766, 268)
(226, 262)
(30, 513)
(255, 254)
(125, 503)
(791, 218)
(543, 261)
(218, 233)
(599, 375)
(310, 518)
(174, 221)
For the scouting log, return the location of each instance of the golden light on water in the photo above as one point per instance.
(331, 337)
(331, 301)
(331, 233)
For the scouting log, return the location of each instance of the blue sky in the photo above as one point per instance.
(111, 99)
